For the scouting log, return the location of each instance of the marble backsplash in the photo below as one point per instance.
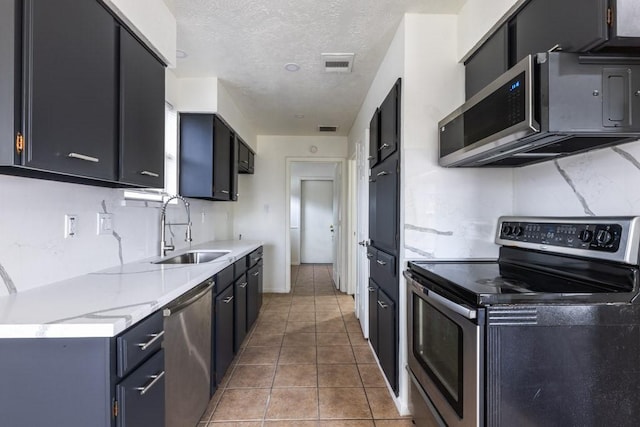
(34, 251)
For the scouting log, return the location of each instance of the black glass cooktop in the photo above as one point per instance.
(485, 283)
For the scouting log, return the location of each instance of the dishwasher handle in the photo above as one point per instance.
(181, 304)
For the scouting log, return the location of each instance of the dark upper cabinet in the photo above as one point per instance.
(386, 203)
(572, 25)
(70, 89)
(245, 158)
(389, 123)
(488, 63)
(205, 157)
(141, 114)
(374, 138)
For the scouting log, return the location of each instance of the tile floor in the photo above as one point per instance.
(305, 363)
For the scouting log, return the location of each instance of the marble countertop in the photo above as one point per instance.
(105, 303)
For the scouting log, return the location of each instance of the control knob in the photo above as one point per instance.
(604, 237)
(507, 230)
(585, 236)
(517, 231)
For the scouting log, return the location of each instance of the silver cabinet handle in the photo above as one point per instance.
(383, 147)
(381, 262)
(155, 379)
(370, 158)
(227, 300)
(155, 337)
(370, 289)
(372, 180)
(225, 191)
(246, 162)
(257, 273)
(149, 173)
(83, 157)
(383, 173)
(243, 284)
(382, 305)
(369, 255)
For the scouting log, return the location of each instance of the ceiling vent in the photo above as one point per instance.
(322, 128)
(337, 62)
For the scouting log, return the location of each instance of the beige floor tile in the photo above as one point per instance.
(252, 376)
(242, 405)
(272, 327)
(303, 292)
(322, 316)
(343, 403)
(333, 307)
(296, 376)
(301, 327)
(235, 424)
(302, 316)
(326, 300)
(349, 317)
(303, 300)
(297, 355)
(353, 326)
(338, 376)
(371, 376)
(259, 356)
(335, 354)
(363, 354)
(331, 325)
(333, 338)
(346, 423)
(296, 423)
(265, 340)
(273, 316)
(381, 404)
(299, 339)
(281, 407)
(296, 308)
(405, 422)
(356, 338)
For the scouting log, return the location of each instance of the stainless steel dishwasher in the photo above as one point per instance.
(187, 343)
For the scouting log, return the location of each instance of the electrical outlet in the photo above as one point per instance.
(70, 225)
(105, 223)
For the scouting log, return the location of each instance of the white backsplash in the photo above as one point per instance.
(34, 251)
(603, 182)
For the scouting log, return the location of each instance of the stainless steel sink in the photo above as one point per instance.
(193, 257)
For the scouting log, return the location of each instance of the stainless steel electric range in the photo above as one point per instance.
(547, 335)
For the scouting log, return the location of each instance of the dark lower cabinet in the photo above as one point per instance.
(141, 395)
(373, 314)
(384, 194)
(141, 114)
(254, 293)
(387, 337)
(224, 335)
(70, 103)
(240, 311)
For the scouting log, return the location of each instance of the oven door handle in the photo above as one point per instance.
(456, 308)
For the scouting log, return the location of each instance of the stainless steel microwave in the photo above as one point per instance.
(547, 105)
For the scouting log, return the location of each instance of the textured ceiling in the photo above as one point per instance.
(246, 43)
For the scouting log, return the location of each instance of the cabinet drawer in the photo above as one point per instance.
(141, 395)
(224, 278)
(254, 257)
(239, 268)
(386, 264)
(139, 342)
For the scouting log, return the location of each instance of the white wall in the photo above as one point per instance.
(229, 110)
(262, 207)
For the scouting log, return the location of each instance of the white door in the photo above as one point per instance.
(316, 222)
(336, 228)
(362, 298)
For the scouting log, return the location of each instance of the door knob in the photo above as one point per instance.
(331, 228)
(364, 243)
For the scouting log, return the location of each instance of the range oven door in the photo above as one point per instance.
(445, 354)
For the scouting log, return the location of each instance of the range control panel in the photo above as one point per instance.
(586, 236)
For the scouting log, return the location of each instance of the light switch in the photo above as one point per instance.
(70, 225)
(105, 223)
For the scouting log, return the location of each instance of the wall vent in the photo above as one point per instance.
(337, 62)
(322, 128)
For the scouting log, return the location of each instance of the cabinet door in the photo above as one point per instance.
(389, 124)
(372, 206)
(254, 294)
(252, 161)
(373, 315)
(574, 25)
(196, 155)
(488, 63)
(141, 395)
(224, 332)
(240, 315)
(386, 205)
(243, 157)
(387, 338)
(141, 114)
(374, 138)
(70, 88)
(223, 141)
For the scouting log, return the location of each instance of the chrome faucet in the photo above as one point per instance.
(164, 247)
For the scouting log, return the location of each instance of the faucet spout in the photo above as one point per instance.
(164, 247)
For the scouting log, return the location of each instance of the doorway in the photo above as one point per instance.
(315, 211)
(316, 222)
